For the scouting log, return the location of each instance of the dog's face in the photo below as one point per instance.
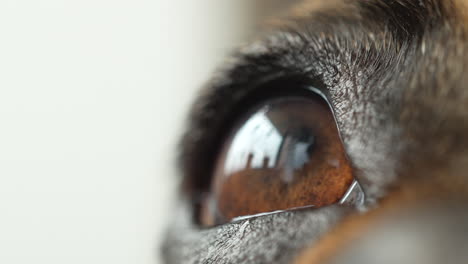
(369, 100)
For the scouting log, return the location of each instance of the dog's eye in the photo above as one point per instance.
(285, 153)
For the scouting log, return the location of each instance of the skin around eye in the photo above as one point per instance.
(285, 153)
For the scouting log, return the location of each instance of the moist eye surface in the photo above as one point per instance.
(284, 153)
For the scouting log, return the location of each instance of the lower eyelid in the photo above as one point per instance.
(353, 197)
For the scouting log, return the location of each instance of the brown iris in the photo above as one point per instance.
(284, 154)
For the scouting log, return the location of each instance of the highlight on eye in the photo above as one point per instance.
(284, 154)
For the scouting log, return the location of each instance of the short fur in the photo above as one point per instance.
(395, 73)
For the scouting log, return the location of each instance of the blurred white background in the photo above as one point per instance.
(92, 99)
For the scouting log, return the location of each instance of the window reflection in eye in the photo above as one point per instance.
(284, 154)
(260, 144)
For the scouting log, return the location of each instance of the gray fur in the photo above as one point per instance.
(395, 75)
(269, 239)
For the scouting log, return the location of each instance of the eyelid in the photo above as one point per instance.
(354, 197)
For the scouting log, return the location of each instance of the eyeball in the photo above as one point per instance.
(285, 153)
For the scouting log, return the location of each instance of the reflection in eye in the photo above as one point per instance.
(284, 154)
